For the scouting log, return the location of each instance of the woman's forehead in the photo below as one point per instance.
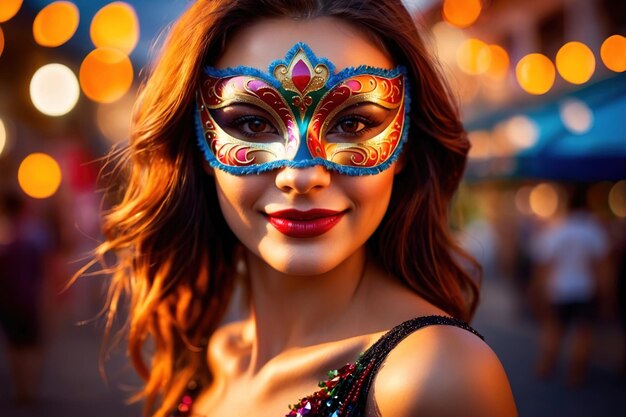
(265, 41)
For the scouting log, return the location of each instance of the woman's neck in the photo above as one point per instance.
(290, 311)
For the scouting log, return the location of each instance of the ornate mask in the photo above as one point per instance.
(301, 114)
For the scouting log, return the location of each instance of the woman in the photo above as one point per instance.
(272, 143)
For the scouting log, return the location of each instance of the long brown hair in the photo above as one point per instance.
(175, 253)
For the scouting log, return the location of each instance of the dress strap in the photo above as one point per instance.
(378, 352)
(357, 391)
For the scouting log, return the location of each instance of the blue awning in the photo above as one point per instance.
(559, 153)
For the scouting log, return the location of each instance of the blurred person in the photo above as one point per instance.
(569, 257)
(22, 252)
(620, 284)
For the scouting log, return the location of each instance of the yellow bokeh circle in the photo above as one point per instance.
(617, 199)
(106, 74)
(613, 53)
(3, 136)
(535, 73)
(9, 8)
(1, 41)
(473, 56)
(544, 200)
(499, 65)
(115, 26)
(461, 13)
(56, 23)
(39, 175)
(575, 62)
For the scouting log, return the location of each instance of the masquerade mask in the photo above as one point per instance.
(299, 114)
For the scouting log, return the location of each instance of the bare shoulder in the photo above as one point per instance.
(441, 371)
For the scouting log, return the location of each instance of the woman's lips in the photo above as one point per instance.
(302, 224)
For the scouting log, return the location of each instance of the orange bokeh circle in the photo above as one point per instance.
(56, 23)
(106, 74)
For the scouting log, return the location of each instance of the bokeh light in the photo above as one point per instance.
(481, 144)
(522, 200)
(499, 63)
(521, 132)
(461, 13)
(447, 41)
(576, 116)
(115, 26)
(575, 62)
(56, 23)
(535, 73)
(473, 56)
(113, 120)
(617, 198)
(1, 41)
(544, 200)
(39, 175)
(3, 136)
(106, 74)
(613, 53)
(54, 90)
(9, 8)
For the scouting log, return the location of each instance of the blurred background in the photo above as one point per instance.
(542, 86)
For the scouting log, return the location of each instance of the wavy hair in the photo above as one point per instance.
(175, 255)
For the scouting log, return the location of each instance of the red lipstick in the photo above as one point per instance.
(302, 224)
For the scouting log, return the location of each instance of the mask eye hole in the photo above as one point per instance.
(248, 122)
(358, 123)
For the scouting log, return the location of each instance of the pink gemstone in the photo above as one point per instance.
(300, 75)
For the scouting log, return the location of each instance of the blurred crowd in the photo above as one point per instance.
(567, 266)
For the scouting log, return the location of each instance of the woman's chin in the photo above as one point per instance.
(300, 266)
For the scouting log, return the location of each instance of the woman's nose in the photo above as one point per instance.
(302, 180)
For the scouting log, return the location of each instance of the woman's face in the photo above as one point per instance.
(303, 221)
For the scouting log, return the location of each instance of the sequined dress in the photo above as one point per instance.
(345, 392)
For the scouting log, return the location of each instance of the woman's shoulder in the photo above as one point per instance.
(443, 371)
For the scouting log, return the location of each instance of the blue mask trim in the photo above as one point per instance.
(333, 80)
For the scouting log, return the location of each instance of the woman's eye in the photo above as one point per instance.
(254, 125)
(352, 125)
